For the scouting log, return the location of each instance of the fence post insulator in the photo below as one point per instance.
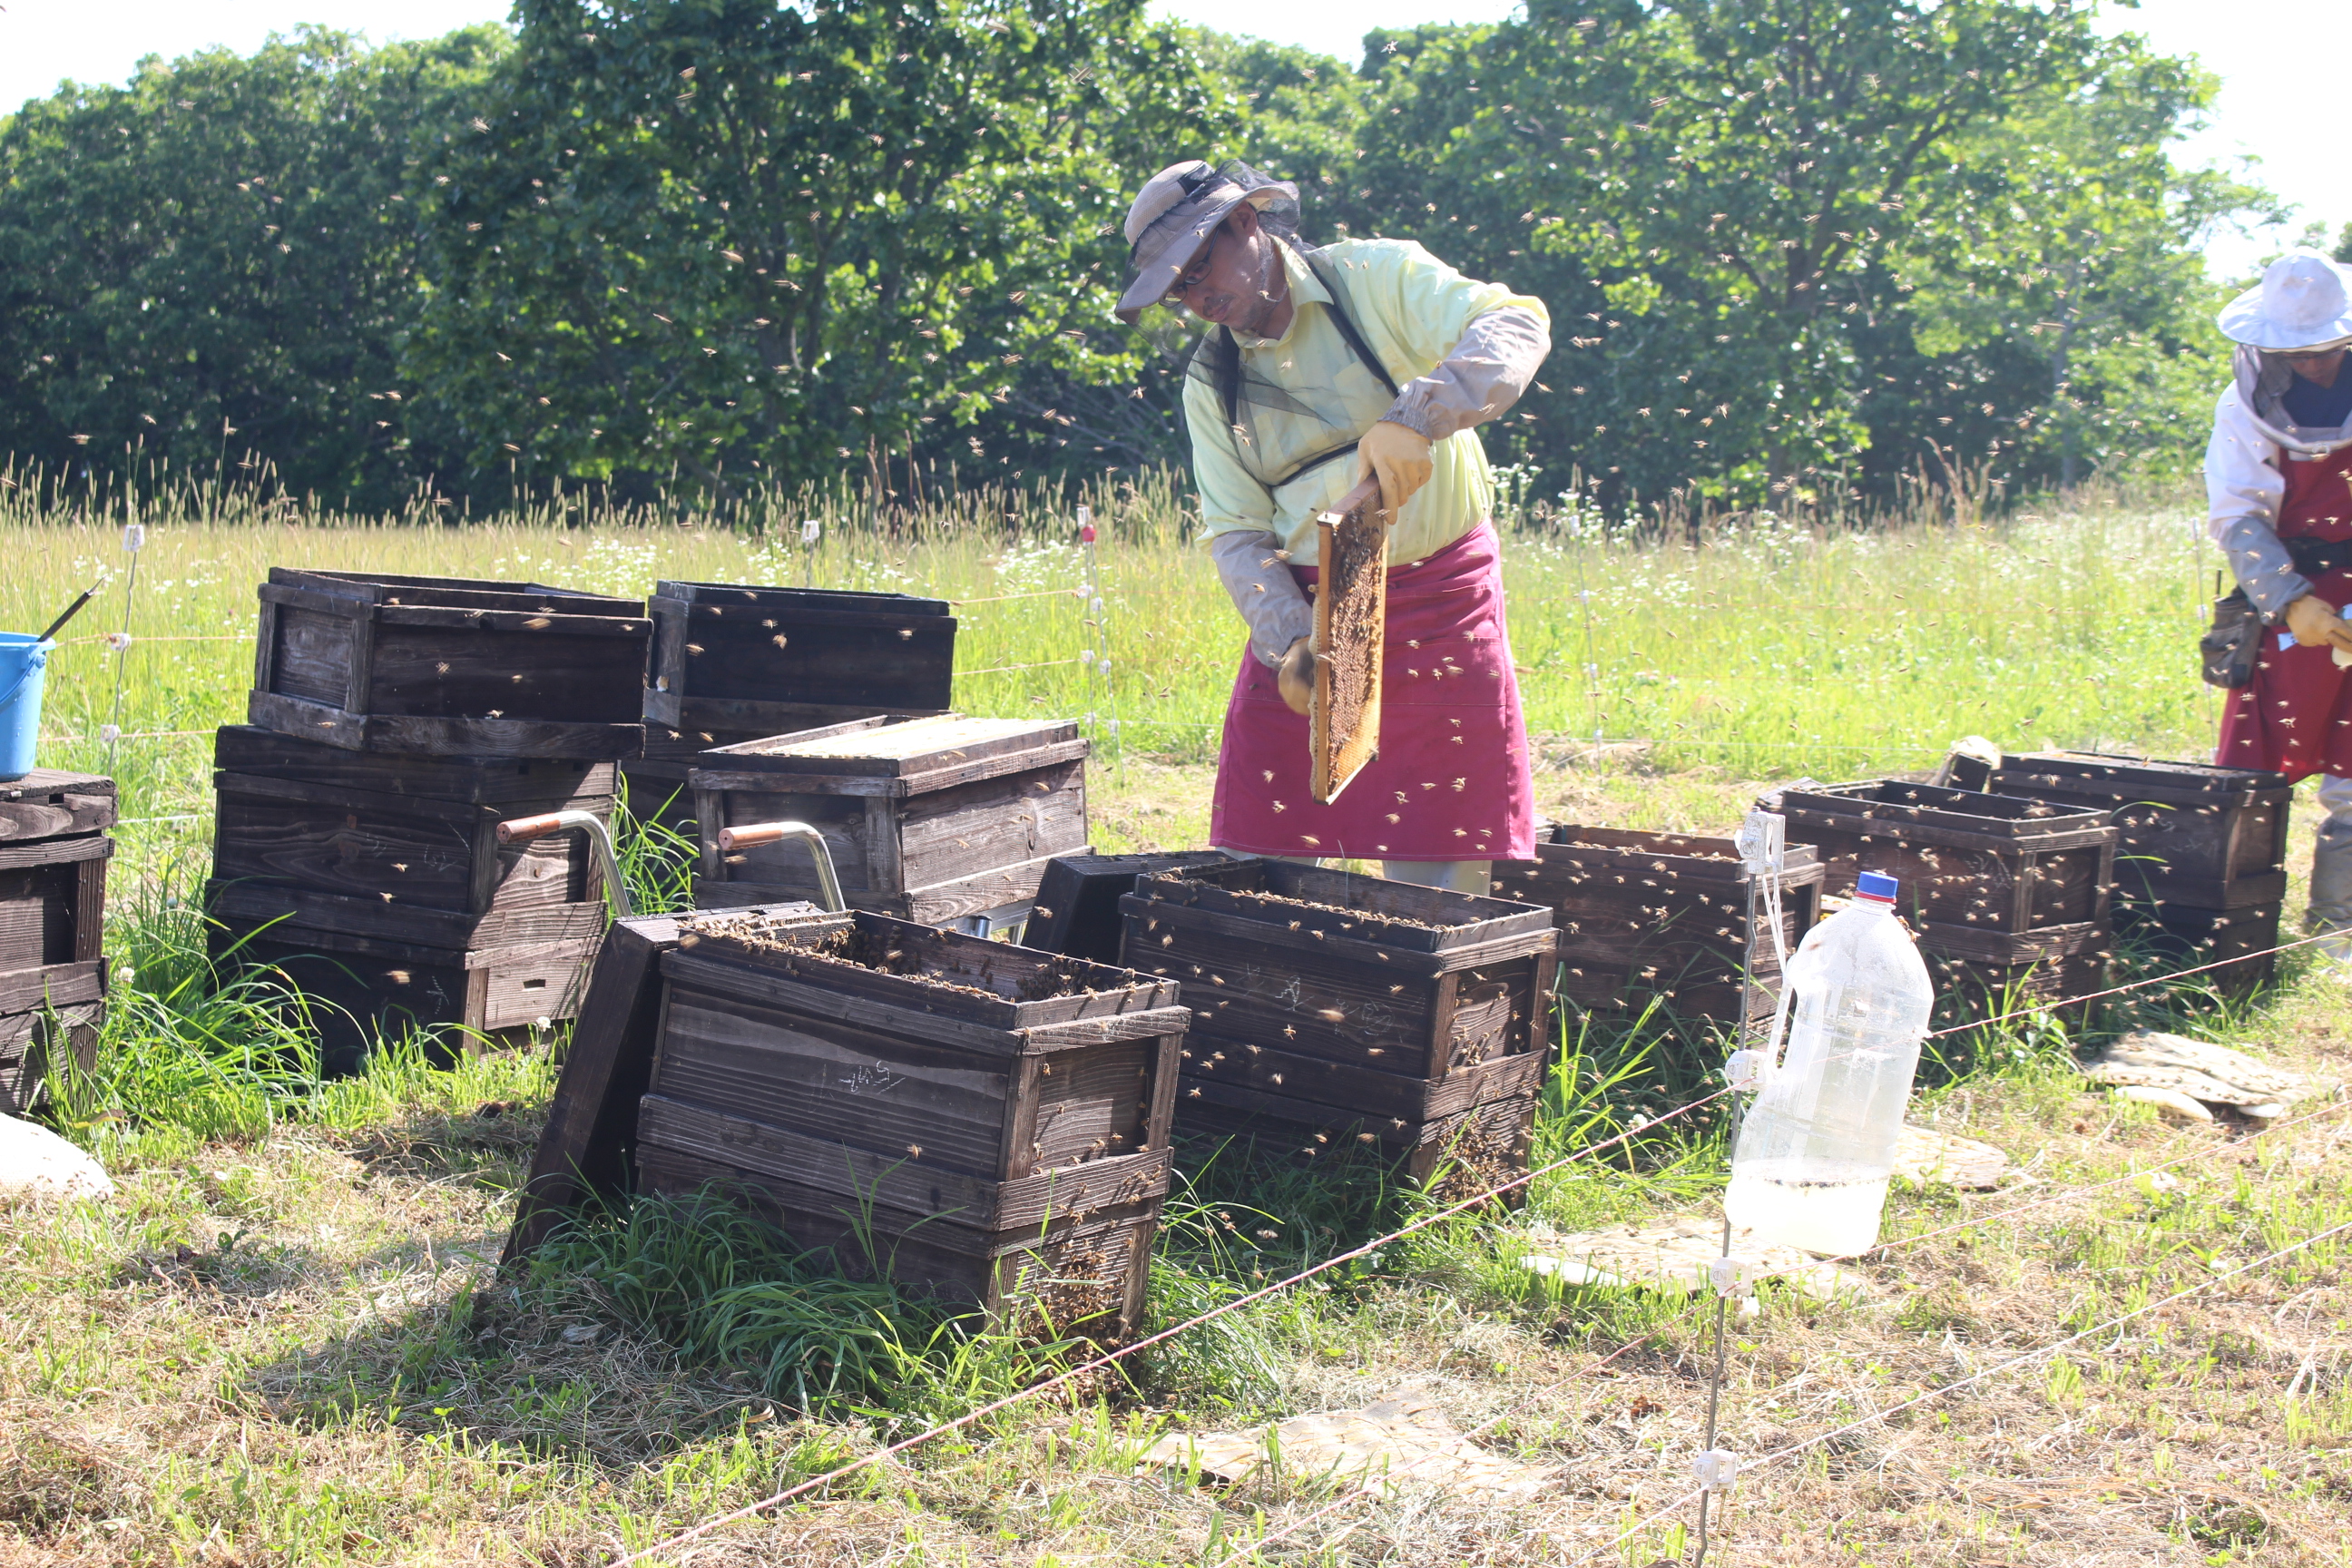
(1715, 1469)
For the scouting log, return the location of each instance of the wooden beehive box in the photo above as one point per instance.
(2211, 838)
(2044, 970)
(928, 819)
(981, 1121)
(587, 1151)
(1661, 916)
(365, 988)
(1340, 1005)
(2242, 942)
(53, 851)
(1077, 912)
(773, 660)
(404, 848)
(1986, 877)
(449, 666)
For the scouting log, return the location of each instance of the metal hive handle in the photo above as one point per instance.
(523, 829)
(751, 835)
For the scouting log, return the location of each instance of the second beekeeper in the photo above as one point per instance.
(1323, 365)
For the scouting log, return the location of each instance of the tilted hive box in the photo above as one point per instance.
(978, 1120)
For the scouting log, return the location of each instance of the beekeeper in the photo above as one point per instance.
(2279, 473)
(1321, 366)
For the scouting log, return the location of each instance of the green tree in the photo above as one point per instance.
(216, 262)
(734, 239)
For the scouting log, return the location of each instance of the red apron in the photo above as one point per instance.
(2296, 716)
(1451, 780)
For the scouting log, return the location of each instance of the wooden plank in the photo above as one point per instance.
(1143, 935)
(418, 925)
(49, 804)
(440, 737)
(52, 985)
(911, 1187)
(1343, 715)
(1280, 893)
(90, 910)
(56, 851)
(1364, 1092)
(474, 780)
(728, 771)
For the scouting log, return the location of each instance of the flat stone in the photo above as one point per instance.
(35, 1163)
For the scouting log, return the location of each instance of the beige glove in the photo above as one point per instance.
(1400, 458)
(1295, 676)
(2315, 624)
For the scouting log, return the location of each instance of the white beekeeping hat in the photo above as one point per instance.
(2299, 304)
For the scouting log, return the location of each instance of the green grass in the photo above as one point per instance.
(287, 1343)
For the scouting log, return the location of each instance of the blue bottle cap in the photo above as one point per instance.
(1875, 886)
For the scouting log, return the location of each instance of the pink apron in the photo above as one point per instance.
(1451, 780)
(2296, 716)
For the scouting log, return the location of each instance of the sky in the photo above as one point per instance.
(2279, 93)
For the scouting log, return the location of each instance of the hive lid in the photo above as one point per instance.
(1297, 903)
(894, 748)
(454, 593)
(2129, 777)
(47, 803)
(724, 596)
(1933, 807)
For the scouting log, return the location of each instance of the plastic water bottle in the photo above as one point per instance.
(1817, 1149)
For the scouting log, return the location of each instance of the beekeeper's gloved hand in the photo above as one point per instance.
(2315, 624)
(1400, 457)
(1295, 676)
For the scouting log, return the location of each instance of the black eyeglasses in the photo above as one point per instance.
(1193, 276)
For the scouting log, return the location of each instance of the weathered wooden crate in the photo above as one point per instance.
(1346, 1006)
(362, 988)
(2211, 838)
(449, 666)
(587, 1152)
(1077, 912)
(2034, 970)
(773, 660)
(2242, 941)
(402, 848)
(1661, 917)
(981, 1121)
(53, 857)
(1987, 877)
(928, 819)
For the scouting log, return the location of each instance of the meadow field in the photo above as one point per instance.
(286, 1342)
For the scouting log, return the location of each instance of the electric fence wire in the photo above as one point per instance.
(1033, 1390)
(1975, 1222)
(1980, 1375)
(1113, 1357)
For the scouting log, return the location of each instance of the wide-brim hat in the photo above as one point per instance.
(2301, 303)
(1174, 216)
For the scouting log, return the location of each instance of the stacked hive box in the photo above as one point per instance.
(941, 820)
(2200, 871)
(395, 722)
(1329, 1006)
(978, 1120)
(732, 664)
(1662, 919)
(53, 853)
(2008, 897)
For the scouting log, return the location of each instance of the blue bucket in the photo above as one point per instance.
(22, 657)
